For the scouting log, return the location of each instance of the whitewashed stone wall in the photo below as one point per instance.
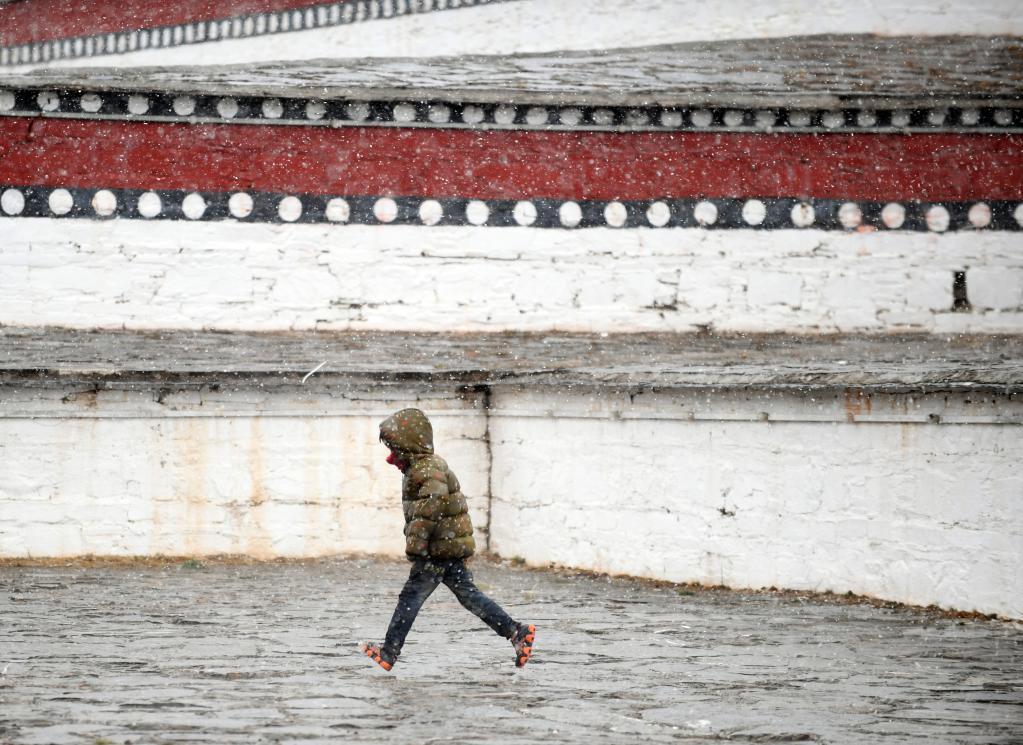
(546, 25)
(744, 492)
(908, 498)
(131, 274)
(200, 474)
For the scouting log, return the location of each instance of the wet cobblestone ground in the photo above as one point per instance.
(232, 653)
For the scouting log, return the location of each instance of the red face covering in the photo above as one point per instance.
(396, 461)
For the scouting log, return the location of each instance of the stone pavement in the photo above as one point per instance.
(260, 653)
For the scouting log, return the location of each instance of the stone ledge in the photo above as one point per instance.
(793, 71)
(893, 363)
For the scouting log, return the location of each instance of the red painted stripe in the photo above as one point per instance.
(508, 164)
(43, 20)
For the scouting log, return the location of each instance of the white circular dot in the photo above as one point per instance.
(1018, 214)
(799, 118)
(850, 216)
(357, 111)
(227, 108)
(315, 110)
(12, 202)
(832, 119)
(803, 215)
(969, 117)
(504, 114)
(570, 214)
(524, 213)
(637, 118)
(936, 117)
(138, 105)
(194, 206)
(893, 215)
(385, 209)
(150, 205)
(701, 118)
(1003, 117)
(658, 214)
(866, 118)
(979, 215)
(48, 101)
(900, 118)
(754, 212)
(439, 113)
(473, 114)
(289, 209)
(706, 213)
(537, 115)
(671, 118)
(477, 212)
(6, 101)
(61, 201)
(570, 117)
(272, 108)
(405, 113)
(91, 103)
(733, 118)
(104, 203)
(603, 117)
(240, 205)
(615, 214)
(183, 105)
(338, 210)
(431, 212)
(937, 218)
(765, 118)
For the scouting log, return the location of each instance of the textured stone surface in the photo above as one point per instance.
(229, 276)
(268, 653)
(763, 72)
(542, 26)
(215, 367)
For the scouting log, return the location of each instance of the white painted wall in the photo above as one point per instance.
(102, 475)
(226, 275)
(822, 491)
(545, 25)
(910, 511)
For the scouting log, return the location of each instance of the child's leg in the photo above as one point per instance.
(459, 579)
(420, 585)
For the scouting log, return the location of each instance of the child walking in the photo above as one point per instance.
(438, 540)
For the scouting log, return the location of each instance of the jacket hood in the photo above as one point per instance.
(408, 431)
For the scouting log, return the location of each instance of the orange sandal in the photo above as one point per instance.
(522, 640)
(377, 655)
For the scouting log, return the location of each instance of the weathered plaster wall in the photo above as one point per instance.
(545, 25)
(225, 275)
(909, 498)
(116, 474)
(807, 492)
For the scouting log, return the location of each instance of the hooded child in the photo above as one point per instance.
(438, 540)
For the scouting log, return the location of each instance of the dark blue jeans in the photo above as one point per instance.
(422, 581)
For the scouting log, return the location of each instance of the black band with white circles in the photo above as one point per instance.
(712, 214)
(193, 108)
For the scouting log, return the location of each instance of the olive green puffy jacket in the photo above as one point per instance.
(437, 524)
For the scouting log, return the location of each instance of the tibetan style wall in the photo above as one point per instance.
(905, 497)
(147, 211)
